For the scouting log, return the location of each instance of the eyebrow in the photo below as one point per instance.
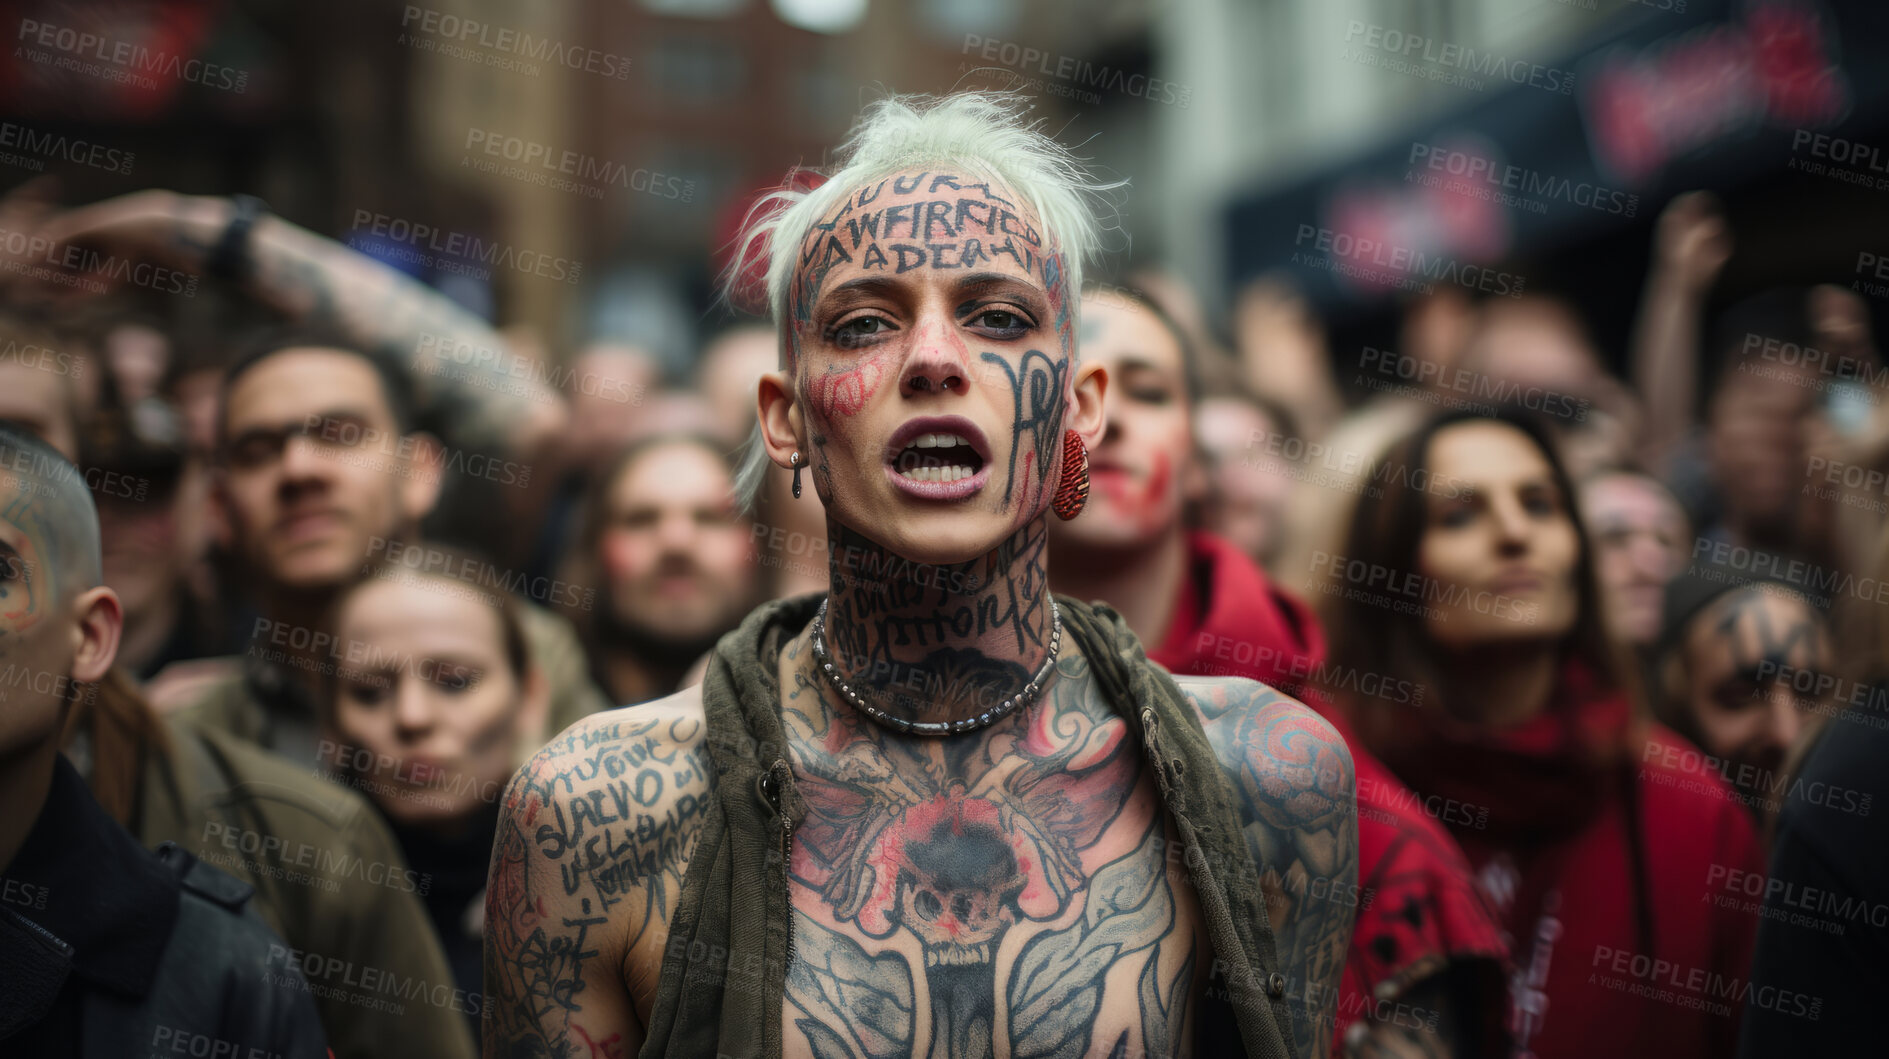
(280, 426)
(863, 288)
(977, 282)
(1137, 363)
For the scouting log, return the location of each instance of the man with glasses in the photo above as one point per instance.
(320, 476)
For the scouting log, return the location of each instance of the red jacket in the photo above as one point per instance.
(1558, 854)
(1418, 909)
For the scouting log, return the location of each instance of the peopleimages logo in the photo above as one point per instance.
(324, 863)
(1472, 172)
(1386, 264)
(461, 247)
(444, 32)
(567, 170)
(43, 145)
(122, 60)
(1481, 386)
(1446, 55)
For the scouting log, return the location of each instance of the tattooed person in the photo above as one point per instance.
(1741, 664)
(462, 369)
(935, 810)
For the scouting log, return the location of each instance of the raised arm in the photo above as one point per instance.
(317, 280)
(586, 868)
(1297, 793)
(1691, 243)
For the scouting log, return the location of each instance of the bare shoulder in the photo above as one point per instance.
(674, 722)
(593, 837)
(1297, 791)
(1289, 764)
(618, 791)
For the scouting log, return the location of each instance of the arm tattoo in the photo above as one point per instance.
(594, 837)
(1297, 790)
(919, 859)
(326, 284)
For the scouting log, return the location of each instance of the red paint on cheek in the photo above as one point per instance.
(1160, 479)
(846, 393)
(618, 556)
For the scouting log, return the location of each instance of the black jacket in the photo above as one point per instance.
(1822, 959)
(108, 950)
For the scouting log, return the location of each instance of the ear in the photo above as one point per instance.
(420, 485)
(98, 619)
(1088, 388)
(782, 426)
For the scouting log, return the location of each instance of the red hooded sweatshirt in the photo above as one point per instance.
(1419, 909)
(1582, 818)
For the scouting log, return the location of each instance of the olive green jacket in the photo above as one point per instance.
(329, 879)
(725, 968)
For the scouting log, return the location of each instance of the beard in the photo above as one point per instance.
(657, 647)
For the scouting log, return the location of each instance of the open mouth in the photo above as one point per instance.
(938, 457)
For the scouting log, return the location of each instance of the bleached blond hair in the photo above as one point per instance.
(988, 136)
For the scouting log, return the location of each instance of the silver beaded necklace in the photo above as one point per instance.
(1021, 700)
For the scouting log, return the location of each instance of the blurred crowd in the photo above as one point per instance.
(1610, 649)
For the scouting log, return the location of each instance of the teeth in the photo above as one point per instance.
(921, 466)
(956, 472)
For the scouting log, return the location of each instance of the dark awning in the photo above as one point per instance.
(1656, 103)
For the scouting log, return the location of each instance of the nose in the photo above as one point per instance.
(676, 531)
(1511, 525)
(938, 362)
(413, 708)
(300, 460)
(1651, 560)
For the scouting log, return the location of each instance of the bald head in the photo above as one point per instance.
(47, 517)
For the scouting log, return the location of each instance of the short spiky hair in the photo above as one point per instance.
(989, 136)
(986, 135)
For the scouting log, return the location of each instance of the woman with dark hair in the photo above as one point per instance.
(1467, 572)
